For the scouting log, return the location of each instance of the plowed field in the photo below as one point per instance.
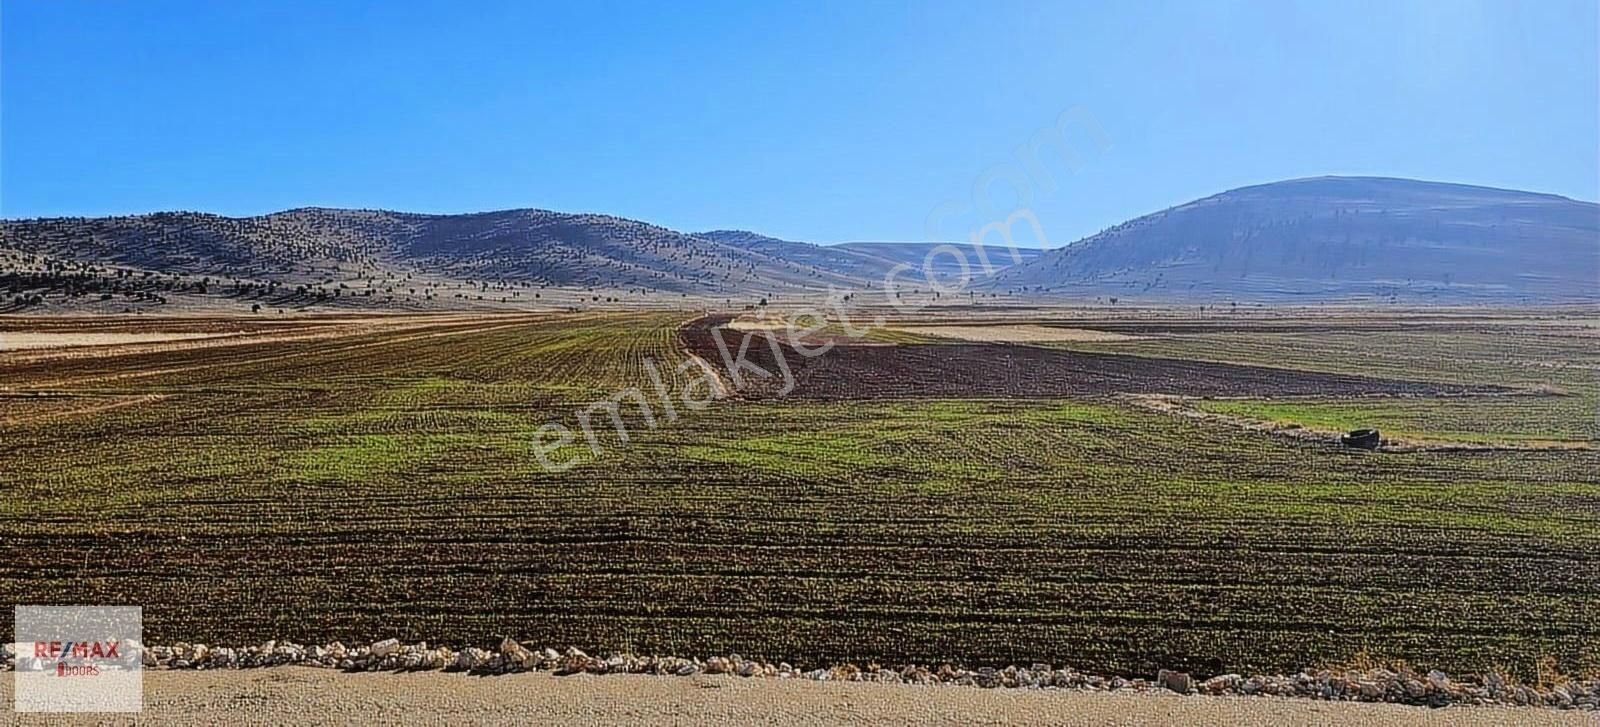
(360, 480)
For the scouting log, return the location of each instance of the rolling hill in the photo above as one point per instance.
(872, 261)
(862, 269)
(311, 255)
(1337, 238)
(944, 263)
(1328, 238)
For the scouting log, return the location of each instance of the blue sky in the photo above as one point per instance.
(822, 121)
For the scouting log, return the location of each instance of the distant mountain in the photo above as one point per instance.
(945, 264)
(326, 250)
(874, 260)
(858, 267)
(1331, 238)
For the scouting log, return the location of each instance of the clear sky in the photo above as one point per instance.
(821, 121)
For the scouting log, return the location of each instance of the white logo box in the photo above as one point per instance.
(78, 659)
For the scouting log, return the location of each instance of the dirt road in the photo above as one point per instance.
(295, 695)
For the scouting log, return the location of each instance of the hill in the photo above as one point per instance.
(1328, 238)
(872, 261)
(860, 269)
(1333, 238)
(944, 263)
(312, 255)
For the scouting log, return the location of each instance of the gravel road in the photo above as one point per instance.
(302, 696)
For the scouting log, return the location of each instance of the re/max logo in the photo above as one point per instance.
(75, 649)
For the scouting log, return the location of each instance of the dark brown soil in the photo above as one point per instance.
(1003, 371)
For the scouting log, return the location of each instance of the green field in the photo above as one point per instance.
(385, 483)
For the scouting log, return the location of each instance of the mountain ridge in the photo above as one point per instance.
(1333, 237)
(1306, 239)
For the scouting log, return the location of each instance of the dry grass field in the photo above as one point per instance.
(957, 498)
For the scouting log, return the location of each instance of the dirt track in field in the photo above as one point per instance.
(1017, 333)
(1003, 371)
(293, 695)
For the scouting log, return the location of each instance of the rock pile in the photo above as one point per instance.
(1433, 689)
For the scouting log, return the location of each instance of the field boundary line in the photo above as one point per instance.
(60, 383)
